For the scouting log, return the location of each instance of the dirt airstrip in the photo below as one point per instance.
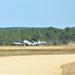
(39, 64)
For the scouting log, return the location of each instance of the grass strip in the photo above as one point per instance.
(68, 69)
(34, 52)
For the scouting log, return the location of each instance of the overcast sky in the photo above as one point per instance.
(37, 13)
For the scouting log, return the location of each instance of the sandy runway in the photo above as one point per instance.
(36, 64)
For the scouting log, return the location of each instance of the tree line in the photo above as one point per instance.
(53, 36)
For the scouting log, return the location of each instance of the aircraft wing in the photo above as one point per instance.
(16, 43)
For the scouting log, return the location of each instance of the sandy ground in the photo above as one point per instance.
(34, 65)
